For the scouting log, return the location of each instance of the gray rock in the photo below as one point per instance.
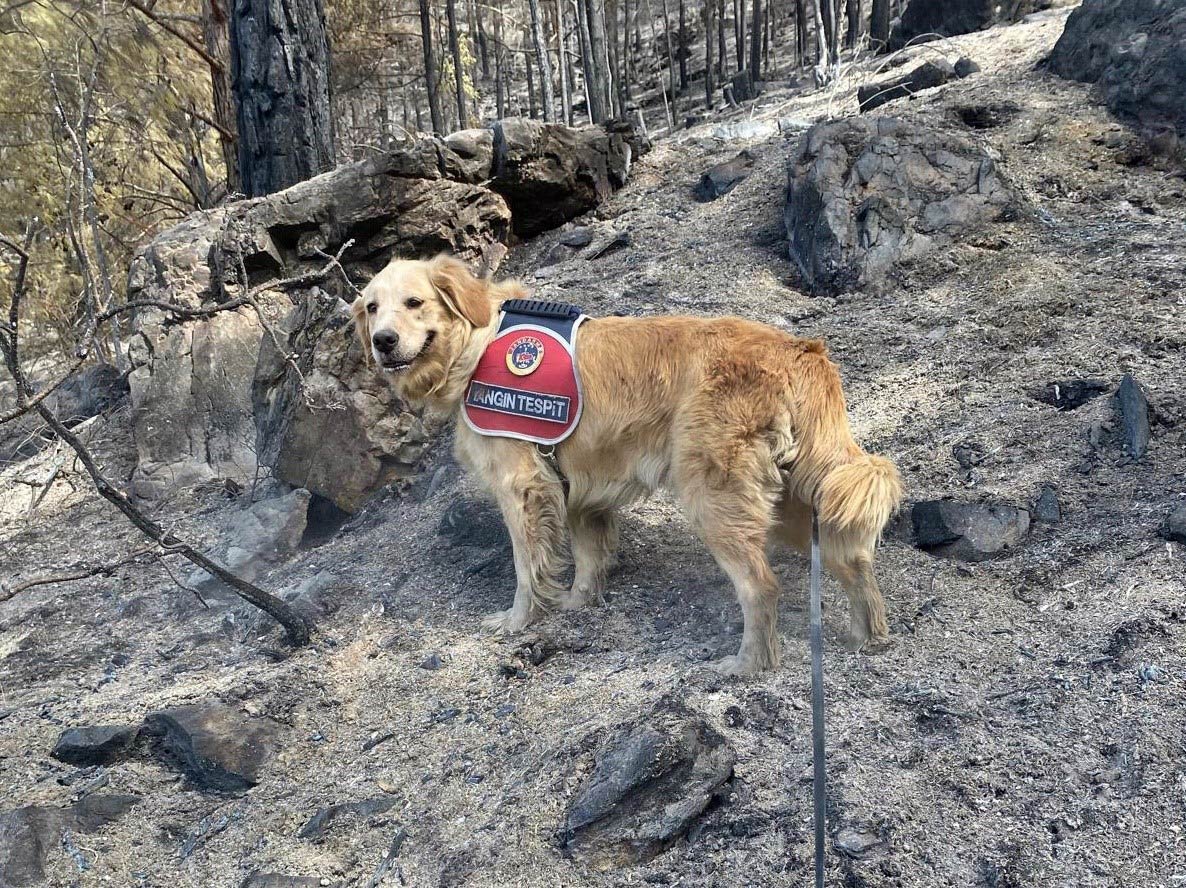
(651, 781)
(216, 746)
(926, 76)
(968, 531)
(866, 193)
(722, 178)
(341, 432)
(88, 393)
(28, 833)
(854, 842)
(746, 130)
(263, 534)
(965, 67)
(578, 237)
(1132, 408)
(316, 826)
(468, 155)
(944, 18)
(1135, 52)
(1175, 525)
(98, 745)
(1047, 509)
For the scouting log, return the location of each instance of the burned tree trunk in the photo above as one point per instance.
(216, 35)
(430, 70)
(879, 23)
(545, 64)
(755, 46)
(280, 80)
(458, 68)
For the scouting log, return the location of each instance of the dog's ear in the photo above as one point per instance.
(362, 327)
(467, 296)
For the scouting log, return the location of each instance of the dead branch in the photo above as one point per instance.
(166, 25)
(79, 574)
(294, 623)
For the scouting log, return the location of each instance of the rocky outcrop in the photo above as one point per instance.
(207, 404)
(27, 834)
(1135, 51)
(214, 745)
(864, 194)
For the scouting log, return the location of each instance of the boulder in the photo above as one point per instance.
(865, 193)
(926, 76)
(1132, 408)
(263, 534)
(651, 780)
(549, 173)
(930, 19)
(97, 745)
(468, 155)
(722, 178)
(216, 746)
(336, 429)
(89, 392)
(968, 531)
(280, 880)
(966, 67)
(1135, 52)
(27, 834)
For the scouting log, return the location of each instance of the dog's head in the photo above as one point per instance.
(413, 317)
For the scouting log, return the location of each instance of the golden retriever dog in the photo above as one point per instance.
(746, 426)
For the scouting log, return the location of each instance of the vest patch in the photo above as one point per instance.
(526, 384)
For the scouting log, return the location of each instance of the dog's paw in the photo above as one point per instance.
(736, 666)
(504, 622)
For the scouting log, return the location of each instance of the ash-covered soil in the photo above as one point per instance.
(1025, 726)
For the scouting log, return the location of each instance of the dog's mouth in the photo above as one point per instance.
(392, 364)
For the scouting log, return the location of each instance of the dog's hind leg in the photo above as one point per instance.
(848, 558)
(594, 534)
(733, 517)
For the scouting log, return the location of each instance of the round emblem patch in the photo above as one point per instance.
(525, 355)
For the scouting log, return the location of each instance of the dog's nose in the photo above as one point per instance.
(385, 340)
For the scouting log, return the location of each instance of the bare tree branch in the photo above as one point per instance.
(79, 574)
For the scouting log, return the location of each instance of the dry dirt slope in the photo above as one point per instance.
(1025, 727)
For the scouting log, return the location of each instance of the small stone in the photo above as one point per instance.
(444, 716)
(965, 67)
(968, 531)
(1151, 672)
(504, 710)
(1070, 394)
(432, 662)
(1174, 528)
(1133, 408)
(577, 238)
(855, 842)
(719, 180)
(1047, 509)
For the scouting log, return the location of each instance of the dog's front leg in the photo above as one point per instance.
(532, 503)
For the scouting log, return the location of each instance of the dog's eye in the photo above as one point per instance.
(372, 307)
(414, 302)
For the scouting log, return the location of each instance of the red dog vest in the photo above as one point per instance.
(526, 385)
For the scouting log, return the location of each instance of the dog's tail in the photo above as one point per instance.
(859, 496)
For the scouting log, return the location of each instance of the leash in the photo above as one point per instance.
(819, 777)
(550, 457)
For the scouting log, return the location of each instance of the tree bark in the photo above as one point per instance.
(755, 46)
(216, 35)
(458, 69)
(538, 37)
(683, 47)
(562, 59)
(852, 9)
(708, 8)
(722, 46)
(430, 70)
(879, 23)
(600, 55)
(800, 33)
(280, 80)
